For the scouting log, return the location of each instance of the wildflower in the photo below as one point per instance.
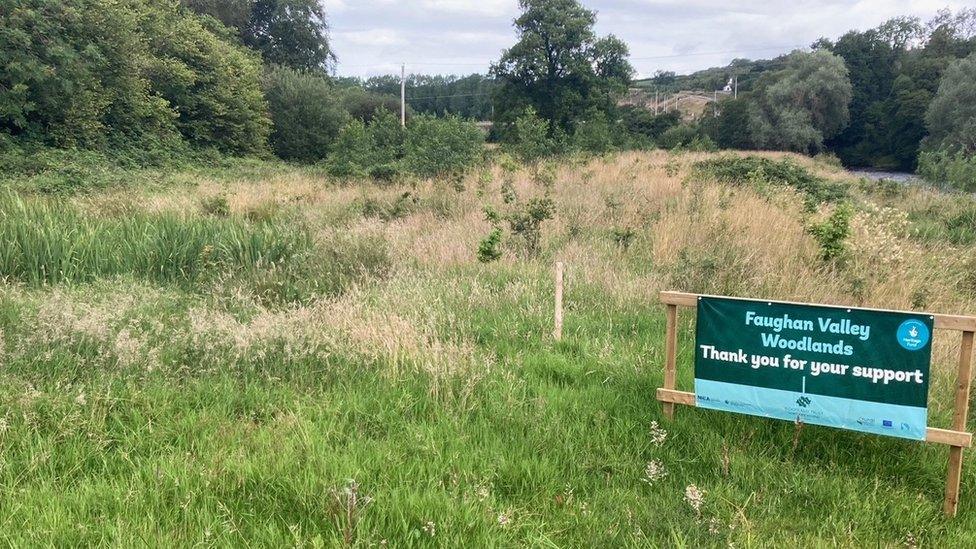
(482, 492)
(658, 435)
(695, 497)
(714, 526)
(429, 528)
(504, 519)
(80, 399)
(654, 471)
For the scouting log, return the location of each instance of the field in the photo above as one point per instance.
(263, 356)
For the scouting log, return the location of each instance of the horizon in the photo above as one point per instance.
(374, 37)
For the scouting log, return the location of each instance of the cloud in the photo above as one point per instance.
(679, 35)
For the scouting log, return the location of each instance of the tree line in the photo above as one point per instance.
(254, 77)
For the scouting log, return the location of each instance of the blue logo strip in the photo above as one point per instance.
(857, 415)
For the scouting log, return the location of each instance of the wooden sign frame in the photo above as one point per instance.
(956, 438)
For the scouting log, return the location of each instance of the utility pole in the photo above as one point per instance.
(735, 86)
(403, 95)
(715, 103)
(655, 102)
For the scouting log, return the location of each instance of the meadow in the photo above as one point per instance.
(263, 355)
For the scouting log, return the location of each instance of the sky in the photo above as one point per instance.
(373, 37)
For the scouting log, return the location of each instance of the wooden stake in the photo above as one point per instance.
(557, 332)
(963, 382)
(670, 362)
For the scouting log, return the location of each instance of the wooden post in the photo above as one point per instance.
(963, 383)
(670, 361)
(557, 331)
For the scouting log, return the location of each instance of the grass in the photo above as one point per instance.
(421, 402)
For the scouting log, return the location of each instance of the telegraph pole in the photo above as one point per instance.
(735, 86)
(403, 95)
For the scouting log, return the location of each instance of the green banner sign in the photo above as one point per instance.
(857, 369)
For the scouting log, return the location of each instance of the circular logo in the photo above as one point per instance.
(913, 334)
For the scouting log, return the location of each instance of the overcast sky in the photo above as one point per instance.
(463, 36)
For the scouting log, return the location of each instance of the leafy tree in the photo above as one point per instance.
(733, 129)
(951, 117)
(306, 113)
(126, 73)
(293, 33)
(804, 103)
(558, 66)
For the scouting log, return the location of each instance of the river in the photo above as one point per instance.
(878, 175)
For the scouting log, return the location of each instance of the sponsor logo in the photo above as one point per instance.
(887, 424)
(803, 401)
(865, 421)
(913, 334)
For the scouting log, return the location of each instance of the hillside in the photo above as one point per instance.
(264, 355)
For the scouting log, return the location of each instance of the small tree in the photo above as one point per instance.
(439, 146)
(306, 114)
(529, 140)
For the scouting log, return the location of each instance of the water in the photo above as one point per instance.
(879, 175)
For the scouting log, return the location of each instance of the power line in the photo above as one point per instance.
(447, 96)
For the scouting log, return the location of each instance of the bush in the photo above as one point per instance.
(364, 105)
(528, 140)
(943, 167)
(642, 122)
(833, 232)
(352, 152)
(306, 112)
(527, 222)
(677, 136)
(438, 146)
(100, 73)
(488, 248)
(738, 170)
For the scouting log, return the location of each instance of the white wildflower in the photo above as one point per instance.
(658, 434)
(654, 471)
(695, 497)
(430, 528)
(80, 399)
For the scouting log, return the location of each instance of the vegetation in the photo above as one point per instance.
(82, 73)
(292, 33)
(559, 67)
(306, 113)
(340, 368)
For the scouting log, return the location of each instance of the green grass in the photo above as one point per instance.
(148, 398)
(556, 437)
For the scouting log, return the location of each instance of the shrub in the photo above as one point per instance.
(352, 152)
(100, 73)
(595, 134)
(488, 248)
(757, 170)
(833, 232)
(943, 167)
(529, 139)
(438, 146)
(677, 137)
(527, 222)
(216, 206)
(364, 105)
(306, 112)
